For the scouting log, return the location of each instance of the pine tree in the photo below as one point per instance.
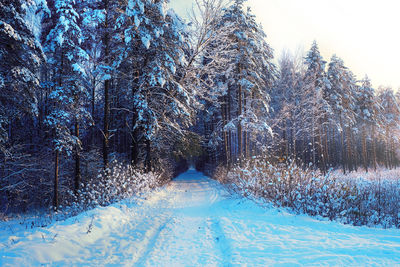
(20, 58)
(161, 105)
(316, 106)
(389, 121)
(103, 22)
(287, 109)
(249, 75)
(367, 110)
(69, 95)
(342, 101)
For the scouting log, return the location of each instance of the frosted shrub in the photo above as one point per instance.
(347, 199)
(119, 182)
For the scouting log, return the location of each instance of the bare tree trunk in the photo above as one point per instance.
(364, 149)
(343, 149)
(321, 150)
(334, 154)
(148, 156)
(224, 115)
(245, 131)
(135, 130)
(134, 148)
(55, 197)
(386, 152)
(60, 83)
(77, 160)
(93, 109)
(230, 139)
(354, 154)
(326, 145)
(106, 119)
(287, 143)
(348, 148)
(239, 129)
(373, 147)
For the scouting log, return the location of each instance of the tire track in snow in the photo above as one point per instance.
(152, 236)
(156, 216)
(221, 241)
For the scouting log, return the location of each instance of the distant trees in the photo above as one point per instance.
(336, 120)
(388, 126)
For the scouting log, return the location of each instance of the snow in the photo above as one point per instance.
(78, 68)
(194, 221)
(146, 41)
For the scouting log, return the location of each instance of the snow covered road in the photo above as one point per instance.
(193, 221)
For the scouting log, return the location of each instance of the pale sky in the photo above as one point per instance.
(364, 33)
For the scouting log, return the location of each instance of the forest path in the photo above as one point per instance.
(193, 221)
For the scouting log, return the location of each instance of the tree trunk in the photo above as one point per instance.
(342, 149)
(55, 197)
(224, 122)
(77, 160)
(134, 132)
(60, 83)
(93, 110)
(148, 156)
(245, 131)
(322, 153)
(387, 149)
(230, 139)
(106, 90)
(239, 129)
(349, 150)
(373, 147)
(364, 149)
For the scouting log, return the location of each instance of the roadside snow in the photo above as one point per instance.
(194, 222)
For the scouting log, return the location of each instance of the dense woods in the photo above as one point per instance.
(88, 87)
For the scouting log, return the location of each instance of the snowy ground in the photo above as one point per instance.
(194, 222)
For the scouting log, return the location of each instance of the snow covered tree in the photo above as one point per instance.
(247, 79)
(367, 111)
(161, 105)
(316, 106)
(63, 46)
(287, 116)
(103, 26)
(20, 58)
(389, 125)
(341, 98)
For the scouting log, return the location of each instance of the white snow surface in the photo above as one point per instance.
(193, 221)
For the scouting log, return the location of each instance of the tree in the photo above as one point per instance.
(20, 58)
(367, 111)
(341, 98)
(389, 118)
(248, 77)
(68, 94)
(287, 117)
(103, 22)
(316, 105)
(161, 105)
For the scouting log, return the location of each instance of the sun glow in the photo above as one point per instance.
(363, 33)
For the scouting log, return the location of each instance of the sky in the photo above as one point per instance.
(364, 33)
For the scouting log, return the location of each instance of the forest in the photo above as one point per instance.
(101, 98)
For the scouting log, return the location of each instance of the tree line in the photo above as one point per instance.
(85, 83)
